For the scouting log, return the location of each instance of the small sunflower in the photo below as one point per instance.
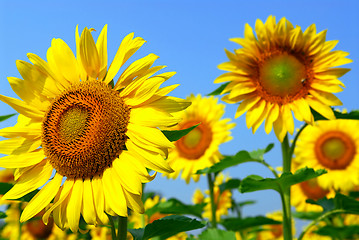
(199, 148)
(334, 146)
(281, 70)
(78, 125)
(223, 200)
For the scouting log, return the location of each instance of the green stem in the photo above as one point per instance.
(320, 218)
(269, 167)
(287, 216)
(113, 231)
(213, 204)
(122, 228)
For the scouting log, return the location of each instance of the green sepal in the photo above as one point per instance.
(3, 118)
(219, 90)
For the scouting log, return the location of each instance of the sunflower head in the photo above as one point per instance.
(199, 148)
(98, 134)
(282, 70)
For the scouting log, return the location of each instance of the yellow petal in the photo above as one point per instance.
(272, 116)
(134, 202)
(150, 159)
(326, 87)
(149, 135)
(101, 46)
(88, 53)
(255, 113)
(30, 180)
(127, 48)
(151, 117)
(99, 200)
(123, 170)
(246, 105)
(288, 118)
(22, 160)
(16, 146)
(136, 69)
(88, 209)
(42, 198)
(169, 104)
(261, 117)
(323, 109)
(23, 108)
(326, 98)
(65, 60)
(113, 191)
(83, 73)
(242, 88)
(74, 205)
(304, 110)
(60, 197)
(33, 131)
(279, 128)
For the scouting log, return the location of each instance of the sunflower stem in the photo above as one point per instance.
(210, 178)
(113, 231)
(287, 216)
(122, 228)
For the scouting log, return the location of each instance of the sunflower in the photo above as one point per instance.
(199, 148)
(308, 190)
(280, 69)
(334, 146)
(79, 126)
(274, 231)
(223, 200)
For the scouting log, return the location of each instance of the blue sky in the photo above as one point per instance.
(190, 38)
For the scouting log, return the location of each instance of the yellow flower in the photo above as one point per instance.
(281, 69)
(223, 201)
(97, 135)
(31, 230)
(199, 148)
(334, 146)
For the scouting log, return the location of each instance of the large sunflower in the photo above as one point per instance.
(199, 148)
(76, 125)
(334, 146)
(281, 69)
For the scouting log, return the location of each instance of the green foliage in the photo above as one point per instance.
(174, 206)
(307, 215)
(345, 232)
(255, 183)
(174, 135)
(3, 118)
(216, 234)
(238, 224)
(240, 157)
(229, 185)
(2, 215)
(219, 90)
(166, 227)
(340, 201)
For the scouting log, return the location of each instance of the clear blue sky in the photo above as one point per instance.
(190, 38)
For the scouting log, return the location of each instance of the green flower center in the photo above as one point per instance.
(72, 123)
(334, 148)
(192, 138)
(282, 75)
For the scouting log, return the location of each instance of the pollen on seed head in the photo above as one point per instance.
(84, 129)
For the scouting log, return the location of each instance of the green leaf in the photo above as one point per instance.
(255, 183)
(240, 157)
(5, 187)
(326, 204)
(174, 135)
(166, 227)
(340, 201)
(237, 224)
(244, 203)
(2, 215)
(3, 118)
(219, 90)
(217, 234)
(230, 184)
(174, 206)
(345, 232)
(338, 115)
(307, 215)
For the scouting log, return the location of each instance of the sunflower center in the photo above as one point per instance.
(196, 142)
(84, 129)
(282, 75)
(312, 191)
(335, 150)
